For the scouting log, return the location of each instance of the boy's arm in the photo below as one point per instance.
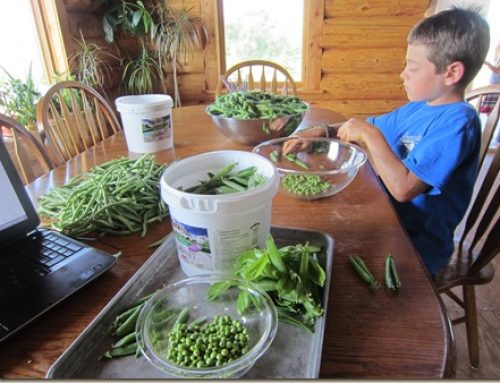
(401, 183)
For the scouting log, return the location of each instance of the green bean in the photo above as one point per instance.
(360, 266)
(274, 156)
(113, 197)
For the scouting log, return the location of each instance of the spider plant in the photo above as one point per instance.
(176, 36)
(19, 97)
(141, 72)
(89, 64)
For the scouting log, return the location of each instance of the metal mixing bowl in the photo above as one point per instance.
(256, 130)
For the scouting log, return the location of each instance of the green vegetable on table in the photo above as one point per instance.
(256, 104)
(392, 280)
(225, 181)
(121, 196)
(363, 271)
(291, 275)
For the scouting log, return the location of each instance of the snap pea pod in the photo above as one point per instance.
(120, 196)
(392, 280)
(225, 181)
(361, 268)
(256, 104)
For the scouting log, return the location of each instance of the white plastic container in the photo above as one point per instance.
(212, 230)
(147, 122)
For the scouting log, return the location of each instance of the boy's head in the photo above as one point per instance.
(454, 35)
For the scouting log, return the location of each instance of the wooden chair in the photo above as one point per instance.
(246, 72)
(29, 155)
(73, 117)
(478, 244)
(475, 97)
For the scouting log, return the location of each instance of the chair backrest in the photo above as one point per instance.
(481, 226)
(72, 117)
(478, 97)
(29, 155)
(259, 75)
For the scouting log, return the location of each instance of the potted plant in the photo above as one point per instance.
(18, 99)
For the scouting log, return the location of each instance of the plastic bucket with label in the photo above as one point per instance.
(147, 122)
(212, 230)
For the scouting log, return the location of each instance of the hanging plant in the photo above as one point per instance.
(140, 74)
(89, 64)
(177, 35)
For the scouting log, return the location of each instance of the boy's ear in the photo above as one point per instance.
(454, 72)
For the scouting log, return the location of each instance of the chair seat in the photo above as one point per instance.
(457, 273)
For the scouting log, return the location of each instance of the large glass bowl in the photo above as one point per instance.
(260, 319)
(319, 168)
(256, 130)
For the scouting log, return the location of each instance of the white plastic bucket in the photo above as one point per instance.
(147, 122)
(212, 230)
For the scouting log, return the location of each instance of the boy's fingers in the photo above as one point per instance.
(290, 146)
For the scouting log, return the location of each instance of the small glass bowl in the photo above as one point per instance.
(320, 168)
(260, 319)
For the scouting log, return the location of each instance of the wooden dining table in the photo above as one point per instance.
(368, 334)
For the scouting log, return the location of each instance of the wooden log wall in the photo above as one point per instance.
(363, 52)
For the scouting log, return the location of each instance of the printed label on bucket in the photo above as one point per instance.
(192, 245)
(156, 129)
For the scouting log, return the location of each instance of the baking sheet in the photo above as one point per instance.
(294, 353)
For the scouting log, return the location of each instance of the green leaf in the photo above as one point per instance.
(108, 29)
(242, 302)
(137, 17)
(255, 270)
(217, 289)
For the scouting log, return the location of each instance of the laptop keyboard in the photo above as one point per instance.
(32, 258)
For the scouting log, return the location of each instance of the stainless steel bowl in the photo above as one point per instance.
(256, 130)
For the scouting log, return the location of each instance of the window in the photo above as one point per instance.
(259, 29)
(304, 23)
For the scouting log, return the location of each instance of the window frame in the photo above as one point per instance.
(215, 62)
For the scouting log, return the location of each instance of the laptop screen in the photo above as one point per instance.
(17, 213)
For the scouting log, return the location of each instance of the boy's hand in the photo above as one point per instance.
(354, 130)
(295, 144)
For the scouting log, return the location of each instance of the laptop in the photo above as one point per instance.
(38, 267)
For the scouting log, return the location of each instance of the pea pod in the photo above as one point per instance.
(361, 268)
(392, 280)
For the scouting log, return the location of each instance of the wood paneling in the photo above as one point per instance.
(373, 8)
(363, 60)
(361, 51)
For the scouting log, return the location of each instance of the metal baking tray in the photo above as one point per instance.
(294, 353)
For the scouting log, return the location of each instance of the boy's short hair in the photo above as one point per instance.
(453, 35)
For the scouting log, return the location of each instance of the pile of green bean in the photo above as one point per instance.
(225, 181)
(304, 184)
(203, 345)
(256, 104)
(121, 196)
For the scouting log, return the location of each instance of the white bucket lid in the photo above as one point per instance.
(141, 103)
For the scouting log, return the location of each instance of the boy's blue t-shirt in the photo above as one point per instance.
(440, 145)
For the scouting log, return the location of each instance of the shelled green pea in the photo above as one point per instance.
(304, 184)
(207, 344)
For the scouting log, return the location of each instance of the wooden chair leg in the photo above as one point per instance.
(471, 324)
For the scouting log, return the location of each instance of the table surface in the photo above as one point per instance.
(369, 334)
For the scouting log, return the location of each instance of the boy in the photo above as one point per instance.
(426, 152)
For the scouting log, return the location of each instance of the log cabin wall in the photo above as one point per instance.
(363, 52)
